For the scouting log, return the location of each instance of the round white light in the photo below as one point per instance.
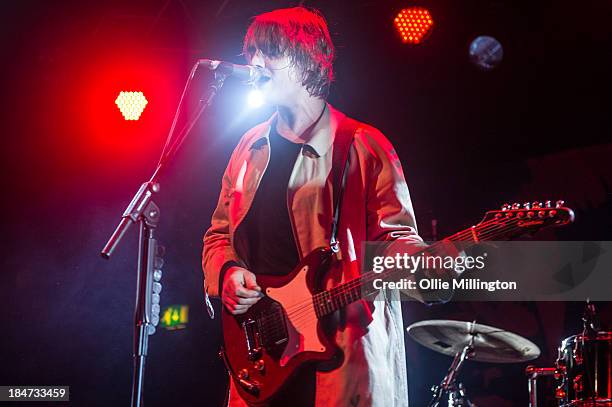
(255, 98)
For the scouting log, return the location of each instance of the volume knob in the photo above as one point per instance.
(259, 365)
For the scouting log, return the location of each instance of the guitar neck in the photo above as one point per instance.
(331, 300)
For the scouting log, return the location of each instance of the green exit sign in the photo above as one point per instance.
(175, 317)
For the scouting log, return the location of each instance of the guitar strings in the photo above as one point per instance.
(304, 318)
(460, 236)
(299, 310)
(302, 314)
(304, 307)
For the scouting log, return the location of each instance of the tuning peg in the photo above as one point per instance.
(516, 205)
(505, 207)
(547, 204)
(536, 205)
(527, 205)
(559, 203)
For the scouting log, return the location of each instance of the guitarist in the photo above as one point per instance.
(276, 206)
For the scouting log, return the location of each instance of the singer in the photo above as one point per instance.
(277, 204)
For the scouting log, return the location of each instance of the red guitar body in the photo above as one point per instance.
(264, 347)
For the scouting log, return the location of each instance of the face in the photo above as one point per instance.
(283, 87)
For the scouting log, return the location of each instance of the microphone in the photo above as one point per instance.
(246, 73)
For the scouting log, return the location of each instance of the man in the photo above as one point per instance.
(276, 206)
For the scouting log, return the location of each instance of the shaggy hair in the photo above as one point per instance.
(302, 35)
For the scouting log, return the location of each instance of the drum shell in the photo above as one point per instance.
(585, 367)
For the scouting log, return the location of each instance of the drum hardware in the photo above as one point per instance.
(449, 385)
(590, 321)
(533, 373)
(468, 340)
(583, 369)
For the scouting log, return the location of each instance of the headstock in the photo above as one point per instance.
(515, 219)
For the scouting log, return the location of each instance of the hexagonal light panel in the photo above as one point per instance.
(414, 24)
(131, 104)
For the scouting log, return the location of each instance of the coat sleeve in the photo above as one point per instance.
(389, 209)
(391, 217)
(218, 251)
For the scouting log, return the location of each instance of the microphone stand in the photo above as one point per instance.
(144, 212)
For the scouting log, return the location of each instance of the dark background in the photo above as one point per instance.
(535, 128)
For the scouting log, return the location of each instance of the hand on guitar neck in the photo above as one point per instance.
(240, 290)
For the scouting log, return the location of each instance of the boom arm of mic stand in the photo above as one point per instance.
(204, 103)
(132, 214)
(134, 210)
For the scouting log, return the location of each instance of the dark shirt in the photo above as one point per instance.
(271, 244)
(272, 248)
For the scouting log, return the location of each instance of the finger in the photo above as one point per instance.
(250, 281)
(247, 301)
(234, 304)
(239, 309)
(246, 293)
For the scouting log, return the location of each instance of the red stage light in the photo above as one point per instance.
(414, 24)
(131, 104)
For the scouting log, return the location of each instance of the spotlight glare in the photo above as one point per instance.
(418, 19)
(255, 98)
(131, 104)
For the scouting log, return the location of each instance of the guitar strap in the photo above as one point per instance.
(345, 134)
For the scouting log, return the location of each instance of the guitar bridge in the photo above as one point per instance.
(266, 330)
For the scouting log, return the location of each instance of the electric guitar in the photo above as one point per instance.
(285, 329)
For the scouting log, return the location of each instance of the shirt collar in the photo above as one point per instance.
(320, 141)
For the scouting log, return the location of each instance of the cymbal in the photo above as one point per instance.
(490, 344)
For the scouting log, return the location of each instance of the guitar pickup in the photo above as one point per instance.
(253, 338)
(273, 328)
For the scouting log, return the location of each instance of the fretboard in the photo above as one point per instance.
(331, 300)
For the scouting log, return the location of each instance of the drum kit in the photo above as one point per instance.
(582, 371)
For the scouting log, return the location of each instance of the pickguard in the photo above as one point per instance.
(302, 322)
